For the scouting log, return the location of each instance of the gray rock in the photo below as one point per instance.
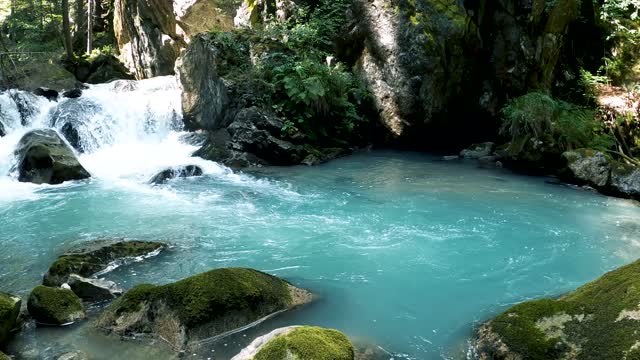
(49, 94)
(93, 290)
(55, 306)
(73, 93)
(204, 95)
(625, 180)
(477, 151)
(588, 167)
(9, 311)
(177, 172)
(74, 355)
(43, 157)
(254, 13)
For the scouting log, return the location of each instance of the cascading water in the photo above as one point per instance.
(124, 130)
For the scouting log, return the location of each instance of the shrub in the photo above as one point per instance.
(566, 126)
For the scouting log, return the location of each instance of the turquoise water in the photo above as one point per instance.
(405, 251)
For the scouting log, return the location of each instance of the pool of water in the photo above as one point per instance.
(405, 251)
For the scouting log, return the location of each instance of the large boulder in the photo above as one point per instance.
(43, 157)
(94, 257)
(299, 342)
(201, 306)
(588, 167)
(600, 320)
(625, 180)
(74, 119)
(9, 311)
(204, 94)
(201, 16)
(55, 306)
(478, 151)
(176, 172)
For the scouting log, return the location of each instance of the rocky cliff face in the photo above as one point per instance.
(151, 33)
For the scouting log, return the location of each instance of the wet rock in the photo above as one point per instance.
(94, 257)
(74, 355)
(73, 93)
(93, 290)
(9, 311)
(26, 104)
(597, 321)
(201, 306)
(194, 138)
(625, 180)
(55, 306)
(43, 157)
(588, 167)
(450, 157)
(49, 94)
(4, 356)
(105, 68)
(2, 131)
(204, 94)
(477, 151)
(74, 117)
(299, 342)
(178, 172)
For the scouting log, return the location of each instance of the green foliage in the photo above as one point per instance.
(566, 126)
(622, 20)
(308, 343)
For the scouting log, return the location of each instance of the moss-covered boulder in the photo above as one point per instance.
(600, 320)
(9, 311)
(55, 306)
(96, 256)
(201, 306)
(4, 356)
(586, 166)
(299, 342)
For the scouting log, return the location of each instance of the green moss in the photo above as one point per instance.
(308, 343)
(599, 321)
(92, 260)
(209, 296)
(54, 305)
(9, 311)
(3, 356)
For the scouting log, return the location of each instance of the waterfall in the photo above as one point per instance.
(123, 130)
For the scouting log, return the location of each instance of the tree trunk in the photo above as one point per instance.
(89, 25)
(66, 29)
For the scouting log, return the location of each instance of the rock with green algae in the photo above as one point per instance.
(299, 342)
(203, 306)
(96, 256)
(600, 320)
(55, 306)
(9, 311)
(4, 356)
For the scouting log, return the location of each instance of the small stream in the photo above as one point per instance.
(405, 251)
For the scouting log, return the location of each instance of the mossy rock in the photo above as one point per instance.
(9, 311)
(201, 306)
(4, 356)
(600, 320)
(95, 257)
(55, 306)
(299, 342)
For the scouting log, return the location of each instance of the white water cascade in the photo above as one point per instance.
(125, 130)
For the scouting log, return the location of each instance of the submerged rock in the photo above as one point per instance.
(95, 257)
(177, 172)
(43, 157)
(478, 151)
(2, 130)
(600, 320)
(299, 342)
(9, 311)
(49, 94)
(55, 306)
(202, 306)
(93, 289)
(74, 355)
